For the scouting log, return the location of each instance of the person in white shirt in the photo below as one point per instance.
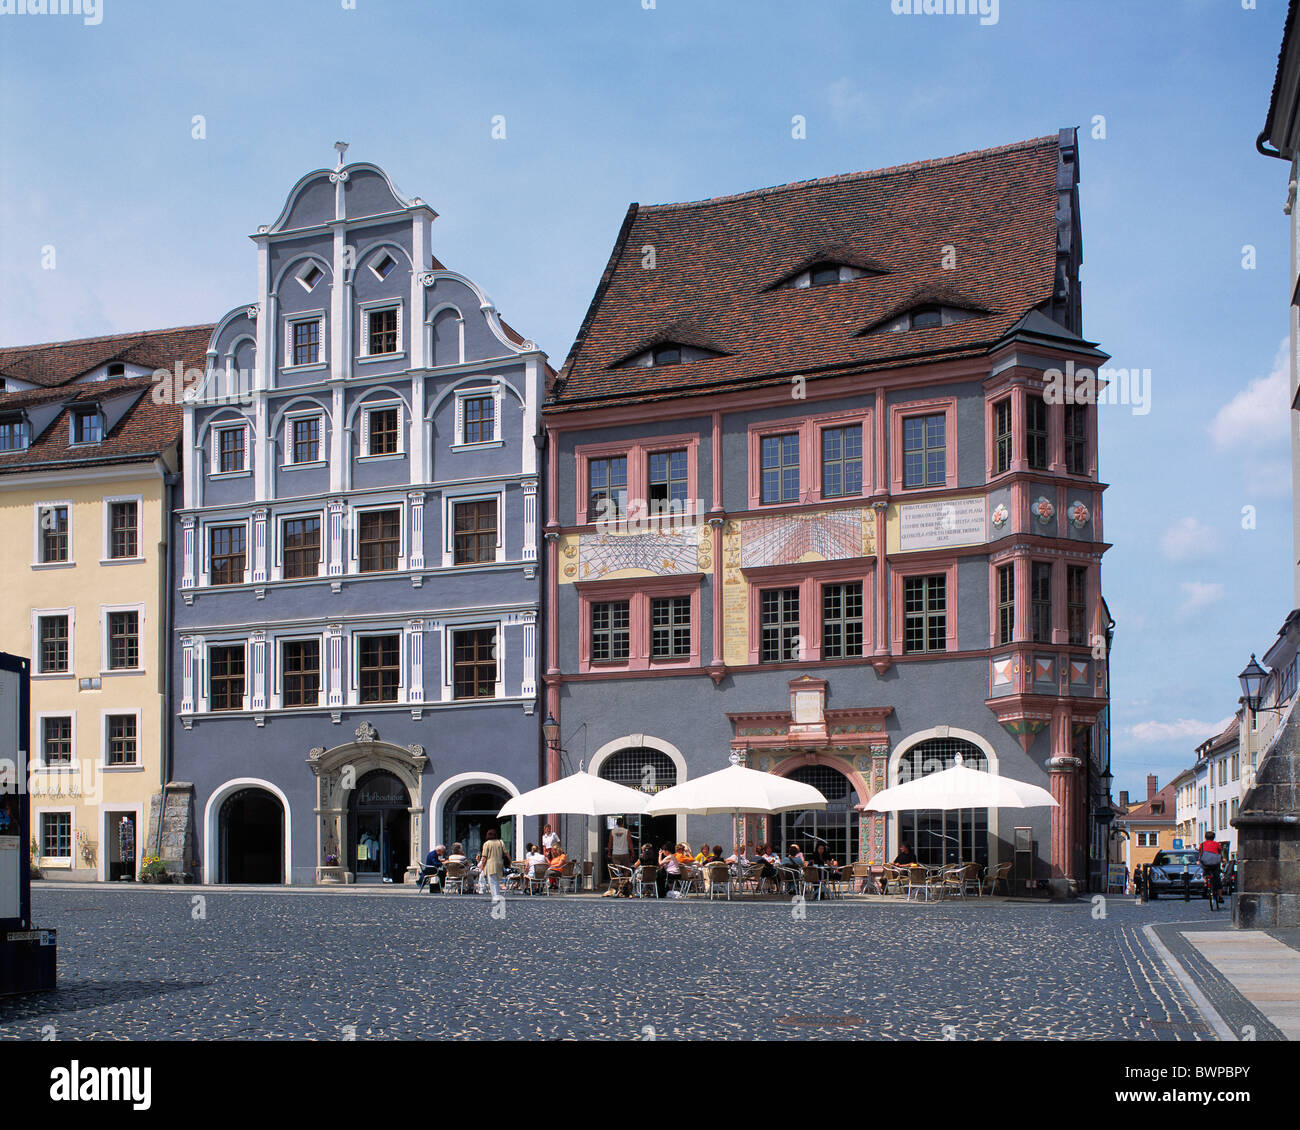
(549, 838)
(619, 845)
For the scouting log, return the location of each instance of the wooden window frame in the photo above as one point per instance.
(638, 592)
(898, 413)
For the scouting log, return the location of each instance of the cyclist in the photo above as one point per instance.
(1212, 865)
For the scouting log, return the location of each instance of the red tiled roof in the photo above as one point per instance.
(144, 431)
(716, 262)
(59, 363)
(1168, 797)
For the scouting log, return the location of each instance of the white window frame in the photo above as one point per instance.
(354, 532)
(277, 537)
(365, 309)
(215, 431)
(38, 762)
(37, 563)
(309, 265)
(363, 445)
(322, 440)
(37, 615)
(203, 676)
(116, 712)
(141, 637)
(56, 862)
(449, 658)
(403, 653)
(384, 253)
(277, 643)
(24, 431)
(449, 501)
(205, 561)
(322, 358)
(496, 390)
(109, 500)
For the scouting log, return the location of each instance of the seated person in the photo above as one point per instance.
(533, 856)
(457, 854)
(904, 858)
(716, 857)
(682, 853)
(558, 860)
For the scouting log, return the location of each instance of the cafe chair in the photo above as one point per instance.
(454, 883)
(718, 876)
(999, 874)
(647, 882)
(535, 880)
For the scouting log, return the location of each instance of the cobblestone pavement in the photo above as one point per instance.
(140, 963)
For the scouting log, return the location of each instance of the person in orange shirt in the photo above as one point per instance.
(558, 860)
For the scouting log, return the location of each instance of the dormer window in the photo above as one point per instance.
(824, 274)
(667, 355)
(13, 435)
(383, 265)
(926, 316)
(309, 276)
(87, 426)
(115, 369)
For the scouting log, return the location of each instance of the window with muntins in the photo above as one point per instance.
(123, 641)
(123, 529)
(306, 342)
(1040, 583)
(779, 468)
(56, 835)
(842, 620)
(54, 534)
(1076, 577)
(607, 488)
(474, 663)
(87, 427)
(479, 419)
(475, 532)
(611, 632)
(1036, 432)
(383, 431)
(13, 434)
(842, 461)
(227, 554)
(1006, 603)
(778, 625)
(123, 740)
(226, 678)
(382, 331)
(379, 672)
(56, 741)
(306, 440)
(925, 451)
(1076, 439)
(925, 613)
(668, 479)
(1002, 436)
(379, 540)
(300, 672)
(670, 627)
(53, 632)
(230, 450)
(301, 547)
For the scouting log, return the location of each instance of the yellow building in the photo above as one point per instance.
(89, 450)
(1151, 825)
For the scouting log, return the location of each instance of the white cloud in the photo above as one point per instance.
(1190, 539)
(1184, 729)
(1258, 414)
(1199, 595)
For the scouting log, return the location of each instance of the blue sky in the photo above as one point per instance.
(608, 102)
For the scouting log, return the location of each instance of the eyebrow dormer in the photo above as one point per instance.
(927, 309)
(677, 344)
(826, 267)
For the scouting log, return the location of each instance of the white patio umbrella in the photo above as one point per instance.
(959, 787)
(732, 791)
(579, 794)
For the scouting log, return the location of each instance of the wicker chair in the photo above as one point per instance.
(919, 881)
(999, 874)
(647, 881)
(535, 880)
(568, 877)
(718, 876)
(620, 878)
(454, 881)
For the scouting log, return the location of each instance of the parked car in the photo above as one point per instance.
(1168, 869)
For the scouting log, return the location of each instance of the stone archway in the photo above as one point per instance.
(337, 772)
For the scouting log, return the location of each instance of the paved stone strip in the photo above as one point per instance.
(1265, 971)
(271, 964)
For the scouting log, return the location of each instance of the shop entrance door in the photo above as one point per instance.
(379, 829)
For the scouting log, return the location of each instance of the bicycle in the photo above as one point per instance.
(1213, 887)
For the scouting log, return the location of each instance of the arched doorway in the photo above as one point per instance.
(650, 771)
(250, 830)
(468, 814)
(379, 828)
(838, 826)
(937, 836)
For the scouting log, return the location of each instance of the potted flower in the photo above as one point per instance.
(154, 870)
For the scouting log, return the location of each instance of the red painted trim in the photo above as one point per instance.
(808, 428)
(715, 587)
(638, 592)
(901, 571)
(638, 453)
(717, 460)
(808, 577)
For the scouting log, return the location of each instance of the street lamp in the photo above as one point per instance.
(1252, 683)
(551, 730)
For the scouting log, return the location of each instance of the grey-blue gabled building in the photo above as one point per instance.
(356, 580)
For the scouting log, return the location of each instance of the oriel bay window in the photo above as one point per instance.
(474, 663)
(379, 540)
(1006, 597)
(301, 538)
(300, 672)
(1076, 439)
(1041, 601)
(226, 677)
(227, 554)
(378, 668)
(1076, 578)
(1036, 432)
(1002, 436)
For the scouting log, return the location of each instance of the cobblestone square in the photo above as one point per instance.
(152, 963)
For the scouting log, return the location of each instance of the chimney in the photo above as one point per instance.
(1123, 799)
(1153, 786)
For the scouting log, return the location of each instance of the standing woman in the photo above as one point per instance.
(494, 862)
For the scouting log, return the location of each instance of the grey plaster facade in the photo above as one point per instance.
(357, 577)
